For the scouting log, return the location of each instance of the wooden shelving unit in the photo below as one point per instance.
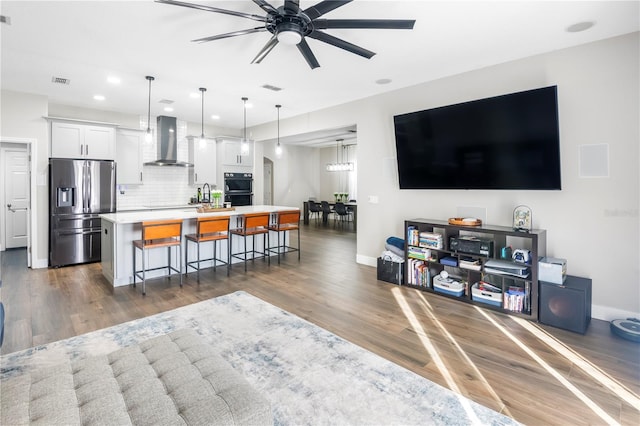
(519, 294)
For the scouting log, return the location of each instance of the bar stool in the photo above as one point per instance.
(158, 234)
(253, 224)
(214, 229)
(286, 221)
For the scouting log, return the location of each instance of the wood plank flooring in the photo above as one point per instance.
(491, 358)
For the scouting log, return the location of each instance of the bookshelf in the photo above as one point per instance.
(479, 276)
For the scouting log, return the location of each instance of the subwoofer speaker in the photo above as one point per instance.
(566, 306)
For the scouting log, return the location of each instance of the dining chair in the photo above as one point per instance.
(314, 210)
(326, 211)
(340, 213)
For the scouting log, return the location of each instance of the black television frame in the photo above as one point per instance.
(506, 142)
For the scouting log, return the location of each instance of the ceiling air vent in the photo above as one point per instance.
(270, 87)
(165, 101)
(60, 80)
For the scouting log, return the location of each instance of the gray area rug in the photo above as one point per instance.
(310, 375)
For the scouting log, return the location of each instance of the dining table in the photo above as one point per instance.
(353, 207)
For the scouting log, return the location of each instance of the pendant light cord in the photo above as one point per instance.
(150, 78)
(244, 135)
(202, 90)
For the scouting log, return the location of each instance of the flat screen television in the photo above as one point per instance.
(504, 142)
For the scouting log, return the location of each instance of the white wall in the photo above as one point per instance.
(21, 117)
(592, 222)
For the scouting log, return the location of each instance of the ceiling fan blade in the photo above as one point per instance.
(323, 7)
(265, 50)
(335, 41)
(304, 48)
(214, 9)
(292, 7)
(389, 24)
(266, 6)
(231, 34)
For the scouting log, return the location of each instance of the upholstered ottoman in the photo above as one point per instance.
(172, 379)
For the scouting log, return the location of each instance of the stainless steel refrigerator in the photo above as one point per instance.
(79, 191)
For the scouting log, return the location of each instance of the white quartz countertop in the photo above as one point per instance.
(185, 213)
(147, 208)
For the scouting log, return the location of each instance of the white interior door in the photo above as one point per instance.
(16, 190)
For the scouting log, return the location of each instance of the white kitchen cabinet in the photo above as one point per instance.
(233, 156)
(129, 143)
(79, 140)
(203, 157)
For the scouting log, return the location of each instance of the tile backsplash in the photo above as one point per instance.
(162, 186)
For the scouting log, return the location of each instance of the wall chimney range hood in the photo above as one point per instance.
(167, 144)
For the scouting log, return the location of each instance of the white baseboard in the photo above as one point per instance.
(607, 313)
(39, 263)
(367, 260)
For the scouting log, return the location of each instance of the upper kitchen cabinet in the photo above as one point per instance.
(129, 143)
(74, 139)
(202, 154)
(232, 154)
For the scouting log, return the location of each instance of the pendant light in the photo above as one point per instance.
(202, 141)
(278, 147)
(339, 166)
(149, 137)
(244, 145)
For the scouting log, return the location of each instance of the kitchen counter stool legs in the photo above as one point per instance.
(214, 229)
(286, 221)
(253, 224)
(158, 234)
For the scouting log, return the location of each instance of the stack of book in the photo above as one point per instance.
(515, 299)
(418, 273)
(418, 253)
(430, 240)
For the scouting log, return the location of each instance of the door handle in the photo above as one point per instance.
(9, 207)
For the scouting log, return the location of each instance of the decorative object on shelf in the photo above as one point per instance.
(522, 218)
(278, 147)
(148, 137)
(464, 221)
(202, 141)
(244, 145)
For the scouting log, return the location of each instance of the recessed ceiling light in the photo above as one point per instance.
(113, 80)
(98, 97)
(168, 109)
(383, 81)
(580, 26)
(215, 117)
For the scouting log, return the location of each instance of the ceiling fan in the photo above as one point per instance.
(289, 24)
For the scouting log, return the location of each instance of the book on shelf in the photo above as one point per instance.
(430, 240)
(418, 273)
(514, 299)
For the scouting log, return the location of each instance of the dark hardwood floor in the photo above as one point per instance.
(533, 373)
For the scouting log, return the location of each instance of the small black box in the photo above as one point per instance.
(390, 271)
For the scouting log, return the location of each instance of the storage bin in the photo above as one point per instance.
(488, 297)
(448, 286)
(390, 271)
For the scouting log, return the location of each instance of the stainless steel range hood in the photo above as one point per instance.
(167, 144)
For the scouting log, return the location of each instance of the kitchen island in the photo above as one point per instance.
(119, 230)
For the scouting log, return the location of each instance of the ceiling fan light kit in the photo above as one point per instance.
(291, 25)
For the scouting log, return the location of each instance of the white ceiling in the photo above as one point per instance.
(88, 41)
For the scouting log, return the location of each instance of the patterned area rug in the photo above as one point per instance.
(310, 375)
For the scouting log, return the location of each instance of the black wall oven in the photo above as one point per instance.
(238, 189)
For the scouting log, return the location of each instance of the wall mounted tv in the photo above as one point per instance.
(504, 142)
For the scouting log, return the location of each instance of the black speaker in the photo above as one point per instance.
(566, 306)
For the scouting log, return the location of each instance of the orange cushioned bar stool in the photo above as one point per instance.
(158, 234)
(214, 229)
(252, 224)
(286, 221)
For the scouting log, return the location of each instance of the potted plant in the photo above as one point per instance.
(336, 195)
(216, 195)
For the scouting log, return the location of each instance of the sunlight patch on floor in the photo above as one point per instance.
(574, 390)
(429, 311)
(589, 368)
(433, 352)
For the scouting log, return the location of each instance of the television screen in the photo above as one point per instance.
(505, 142)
